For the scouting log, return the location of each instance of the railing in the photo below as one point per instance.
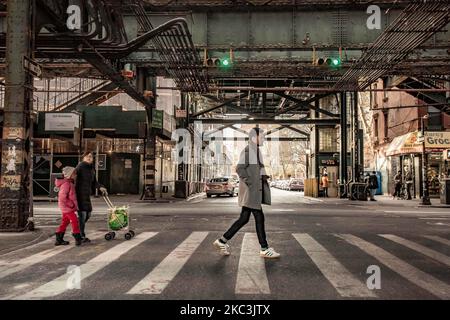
(55, 95)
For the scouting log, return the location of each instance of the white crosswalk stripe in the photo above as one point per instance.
(157, 280)
(10, 267)
(59, 285)
(419, 248)
(342, 280)
(439, 239)
(407, 271)
(251, 277)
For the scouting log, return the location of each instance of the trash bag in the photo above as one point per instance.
(118, 218)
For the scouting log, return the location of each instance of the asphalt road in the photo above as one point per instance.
(327, 248)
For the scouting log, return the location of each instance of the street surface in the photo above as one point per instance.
(327, 248)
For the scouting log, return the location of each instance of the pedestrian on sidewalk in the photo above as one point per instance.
(85, 184)
(325, 184)
(409, 182)
(373, 185)
(397, 185)
(254, 191)
(67, 202)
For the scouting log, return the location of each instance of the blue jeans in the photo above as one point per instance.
(372, 193)
(83, 217)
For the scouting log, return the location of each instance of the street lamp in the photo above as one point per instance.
(426, 194)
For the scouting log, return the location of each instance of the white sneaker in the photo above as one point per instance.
(269, 254)
(223, 248)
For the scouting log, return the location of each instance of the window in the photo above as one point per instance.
(375, 127)
(328, 140)
(386, 123)
(434, 119)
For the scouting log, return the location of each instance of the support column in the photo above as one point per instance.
(150, 148)
(355, 139)
(181, 183)
(15, 185)
(317, 147)
(344, 141)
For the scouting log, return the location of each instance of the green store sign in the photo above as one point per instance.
(157, 118)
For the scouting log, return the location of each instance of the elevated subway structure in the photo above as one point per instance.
(277, 70)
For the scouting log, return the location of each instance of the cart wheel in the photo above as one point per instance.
(128, 236)
(108, 236)
(113, 235)
(132, 233)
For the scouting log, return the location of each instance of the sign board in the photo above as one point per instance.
(180, 113)
(437, 140)
(405, 144)
(128, 164)
(157, 118)
(329, 162)
(61, 121)
(32, 67)
(101, 162)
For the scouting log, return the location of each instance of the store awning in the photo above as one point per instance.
(405, 144)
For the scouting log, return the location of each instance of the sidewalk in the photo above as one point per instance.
(127, 198)
(387, 201)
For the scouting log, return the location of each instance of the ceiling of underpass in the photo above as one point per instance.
(269, 44)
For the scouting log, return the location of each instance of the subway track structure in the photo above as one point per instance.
(273, 49)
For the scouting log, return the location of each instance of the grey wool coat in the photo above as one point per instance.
(253, 189)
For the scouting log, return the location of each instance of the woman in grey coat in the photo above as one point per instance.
(253, 192)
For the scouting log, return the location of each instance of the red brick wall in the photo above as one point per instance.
(400, 121)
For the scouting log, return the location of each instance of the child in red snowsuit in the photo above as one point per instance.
(67, 202)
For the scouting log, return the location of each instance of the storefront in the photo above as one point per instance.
(405, 154)
(436, 146)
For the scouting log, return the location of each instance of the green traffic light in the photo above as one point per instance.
(336, 62)
(225, 62)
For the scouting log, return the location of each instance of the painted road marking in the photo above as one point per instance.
(251, 277)
(419, 248)
(9, 267)
(439, 239)
(59, 285)
(405, 270)
(157, 280)
(342, 280)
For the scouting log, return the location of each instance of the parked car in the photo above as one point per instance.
(220, 186)
(296, 185)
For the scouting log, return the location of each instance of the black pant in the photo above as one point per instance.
(398, 189)
(325, 192)
(243, 220)
(83, 217)
(408, 190)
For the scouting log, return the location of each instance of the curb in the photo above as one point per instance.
(200, 195)
(313, 199)
(434, 206)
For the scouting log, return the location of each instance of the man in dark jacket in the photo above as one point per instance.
(373, 185)
(397, 185)
(86, 182)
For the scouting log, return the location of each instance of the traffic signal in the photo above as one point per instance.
(334, 62)
(223, 63)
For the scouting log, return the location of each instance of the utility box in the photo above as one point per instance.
(445, 191)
